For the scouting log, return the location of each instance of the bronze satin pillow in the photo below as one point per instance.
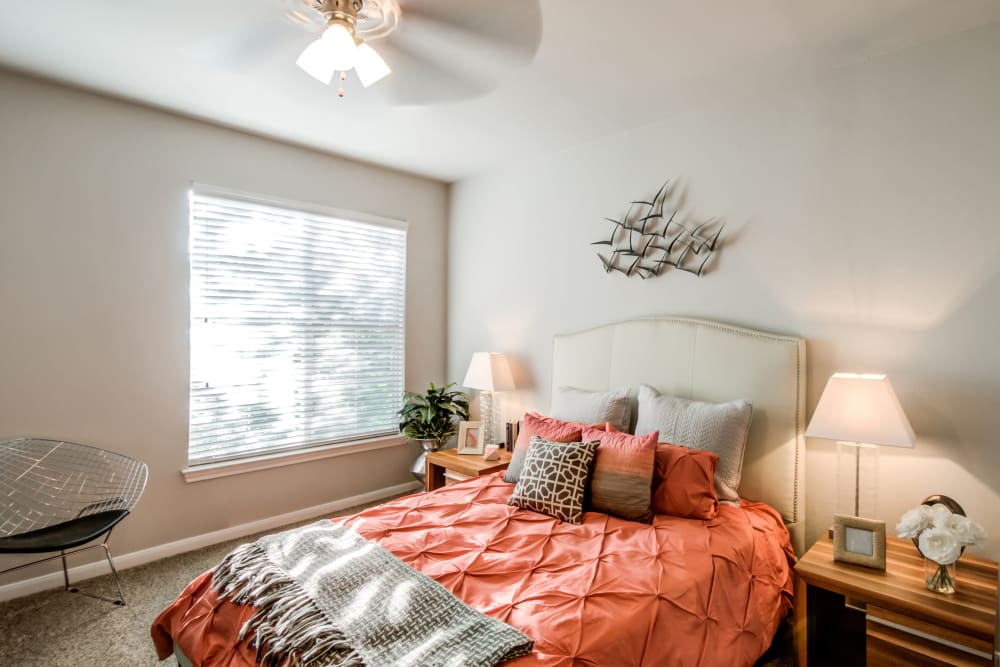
(623, 474)
(684, 482)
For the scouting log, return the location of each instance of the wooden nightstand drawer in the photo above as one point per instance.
(895, 639)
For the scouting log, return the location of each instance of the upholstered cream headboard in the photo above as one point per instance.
(709, 361)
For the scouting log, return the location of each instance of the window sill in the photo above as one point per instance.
(200, 473)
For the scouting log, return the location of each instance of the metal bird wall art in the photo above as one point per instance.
(647, 240)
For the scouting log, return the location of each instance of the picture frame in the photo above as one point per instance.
(470, 438)
(859, 541)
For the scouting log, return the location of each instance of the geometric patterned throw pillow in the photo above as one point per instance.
(554, 478)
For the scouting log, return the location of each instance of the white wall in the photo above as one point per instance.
(863, 213)
(94, 292)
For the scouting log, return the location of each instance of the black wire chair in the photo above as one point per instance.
(58, 496)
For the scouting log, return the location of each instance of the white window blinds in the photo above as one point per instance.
(297, 328)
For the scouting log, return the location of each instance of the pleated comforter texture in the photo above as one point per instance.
(683, 592)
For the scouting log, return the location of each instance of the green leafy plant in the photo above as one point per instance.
(434, 415)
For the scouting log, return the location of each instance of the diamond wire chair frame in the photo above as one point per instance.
(58, 496)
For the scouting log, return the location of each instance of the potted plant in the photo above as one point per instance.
(431, 418)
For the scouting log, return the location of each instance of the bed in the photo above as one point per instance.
(677, 591)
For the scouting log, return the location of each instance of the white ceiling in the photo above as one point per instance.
(594, 74)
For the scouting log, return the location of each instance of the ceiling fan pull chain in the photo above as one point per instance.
(343, 77)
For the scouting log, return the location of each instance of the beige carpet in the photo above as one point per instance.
(60, 629)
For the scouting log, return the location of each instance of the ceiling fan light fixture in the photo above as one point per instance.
(342, 46)
(341, 51)
(316, 62)
(369, 65)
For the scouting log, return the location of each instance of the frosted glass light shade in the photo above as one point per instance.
(334, 51)
(861, 409)
(370, 66)
(315, 63)
(340, 47)
(489, 371)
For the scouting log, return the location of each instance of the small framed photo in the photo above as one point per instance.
(859, 541)
(470, 438)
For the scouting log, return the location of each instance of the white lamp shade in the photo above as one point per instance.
(861, 409)
(369, 66)
(489, 371)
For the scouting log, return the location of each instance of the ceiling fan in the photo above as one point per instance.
(437, 50)
(343, 46)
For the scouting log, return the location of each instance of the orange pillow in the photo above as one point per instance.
(623, 473)
(684, 482)
(547, 428)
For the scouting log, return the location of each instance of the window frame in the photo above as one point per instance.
(292, 454)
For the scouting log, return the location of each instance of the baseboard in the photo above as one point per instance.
(124, 561)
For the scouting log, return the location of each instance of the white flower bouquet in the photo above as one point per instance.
(940, 535)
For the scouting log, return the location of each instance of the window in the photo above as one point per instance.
(297, 327)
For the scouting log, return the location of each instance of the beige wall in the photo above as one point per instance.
(863, 213)
(94, 301)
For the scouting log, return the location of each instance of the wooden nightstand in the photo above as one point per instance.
(447, 466)
(905, 624)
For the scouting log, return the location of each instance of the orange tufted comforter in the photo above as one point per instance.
(679, 592)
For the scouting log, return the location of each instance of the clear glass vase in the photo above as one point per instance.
(939, 578)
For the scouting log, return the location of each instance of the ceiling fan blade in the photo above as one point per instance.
(417, 81)
(516, 24)
(447, 50)
(302, 13)
(247, 48)
(259, 34)
(443, 43)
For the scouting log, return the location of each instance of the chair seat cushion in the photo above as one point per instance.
(65, 535)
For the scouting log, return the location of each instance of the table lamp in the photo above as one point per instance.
(488, 372)
(860, 411)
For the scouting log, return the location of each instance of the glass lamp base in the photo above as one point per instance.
(486, 416)
(857, 479)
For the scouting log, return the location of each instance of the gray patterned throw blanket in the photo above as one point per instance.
(325, 596)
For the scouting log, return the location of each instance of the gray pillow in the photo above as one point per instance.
(593, 407)
(554, 478)
(717, 427)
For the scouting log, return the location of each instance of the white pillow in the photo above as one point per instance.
(592, 407)
(721, 428)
